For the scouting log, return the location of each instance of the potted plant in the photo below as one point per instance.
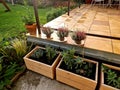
(76, 71)
(47, 31)
(43, 61)
(110, 77)
(78, 36)
(29, 20)
(62, 32)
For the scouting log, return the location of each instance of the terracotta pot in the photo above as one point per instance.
(88, 1)
(61, 38)
(77, 42)
(31, 29)
(48, 36)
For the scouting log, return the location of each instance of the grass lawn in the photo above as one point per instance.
(11, 23)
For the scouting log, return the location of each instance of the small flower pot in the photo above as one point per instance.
(48, 36)
(31, 29)
(78, 42)
(61, 38)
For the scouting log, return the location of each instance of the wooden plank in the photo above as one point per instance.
(75, 80)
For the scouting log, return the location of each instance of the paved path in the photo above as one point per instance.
(34, 81)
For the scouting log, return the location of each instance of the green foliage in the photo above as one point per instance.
(55, 13)
(7, 73)
(50, 53)
(37, 54)
(68, 58)
(20, 46)
(11, 21)
(76, 64)
(13, 49)
(46, 56)
(113, 77)
(28, 18)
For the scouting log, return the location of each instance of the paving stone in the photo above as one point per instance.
(33, 81)
(116, 46)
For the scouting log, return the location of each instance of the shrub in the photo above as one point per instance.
(55, 13)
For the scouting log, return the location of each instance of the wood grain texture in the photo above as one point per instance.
(39, 67)
(75, 80)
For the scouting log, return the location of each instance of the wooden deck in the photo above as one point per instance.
(94, 20)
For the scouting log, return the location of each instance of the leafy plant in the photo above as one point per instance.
(37, 54)
(20, 46)
(14, 50)
(78, 35)
(55, 13)
(28, 18)
(7, 73)
(112, 77)
(45, 56)
(47, 31)
(68, 58)
(76, 64)
(62, 32)
(50, 53)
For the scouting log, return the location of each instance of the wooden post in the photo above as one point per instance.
(3, 2)
(79, 3)
(68, 7)
(36, 16)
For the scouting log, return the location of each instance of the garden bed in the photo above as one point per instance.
(41, 66)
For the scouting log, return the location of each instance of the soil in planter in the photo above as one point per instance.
(114, 78)
(44, 58)
(87, 70)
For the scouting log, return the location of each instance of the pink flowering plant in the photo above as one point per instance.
(47, 31)
(78, 36)
(62, 32)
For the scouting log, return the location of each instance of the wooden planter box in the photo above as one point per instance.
(104, 86)
(39, 67)
(77, 81)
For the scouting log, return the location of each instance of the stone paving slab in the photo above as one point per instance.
(116, 46)
(33, 81)
(94, 20)
(98, 43)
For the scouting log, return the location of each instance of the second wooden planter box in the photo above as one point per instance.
(105, 86)
(39, 67)
(77, 81)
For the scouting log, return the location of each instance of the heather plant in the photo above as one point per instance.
(62, 32)
(47, 31)
(77, 36)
